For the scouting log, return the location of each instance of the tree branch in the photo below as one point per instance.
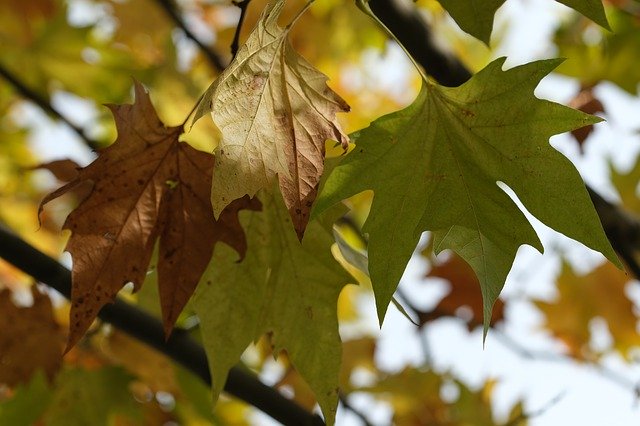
(212, 56)
(414, 33)
(622, 229)
(235, 44)
(44, 104)
(180, 346)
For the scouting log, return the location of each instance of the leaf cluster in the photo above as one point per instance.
(238, 230)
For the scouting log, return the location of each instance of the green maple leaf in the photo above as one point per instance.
(27, 403)
(282, 287)
(476, 16)
(92, 397)
(435, 166)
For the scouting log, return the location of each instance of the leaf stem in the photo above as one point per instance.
(363, 5)
(235, 44)
(193, 109)
(300, 13)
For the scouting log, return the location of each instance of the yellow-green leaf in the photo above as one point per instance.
(281, 287)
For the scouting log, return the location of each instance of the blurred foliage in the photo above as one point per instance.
(91, 49)
(595, 54)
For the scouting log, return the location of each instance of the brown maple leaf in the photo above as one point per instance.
(585, 101)
(30, 339)
(465, 292)
(66, 170)
(146, 185)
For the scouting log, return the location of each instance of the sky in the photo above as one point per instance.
(564, 393)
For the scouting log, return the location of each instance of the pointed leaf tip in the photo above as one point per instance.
(476, 17)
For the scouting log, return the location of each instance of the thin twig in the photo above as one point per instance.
(235, 44)
(44, 104)
(195, 106)
(540, 411)
(347, 405)
(214, 58)
(180, 346)
(524, 352)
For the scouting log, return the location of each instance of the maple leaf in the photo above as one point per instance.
(146, 185)
(30, 339)
(434, 166)
(598, 294)
(275, 113)
(476, 16)
(282, 287)
(415, 397)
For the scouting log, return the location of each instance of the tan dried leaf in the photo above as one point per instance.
(275, 113)
(147, 185)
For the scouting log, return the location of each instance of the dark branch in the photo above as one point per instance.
(180, 346)
(44, 104)
(212, 56)
(415, 35)
(622, 229)
(347, 405)
(235, 44)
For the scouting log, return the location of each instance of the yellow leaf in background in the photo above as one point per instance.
(598, 294)
(417, 398)
(153, 368)
(627, 185)
(356, 354)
